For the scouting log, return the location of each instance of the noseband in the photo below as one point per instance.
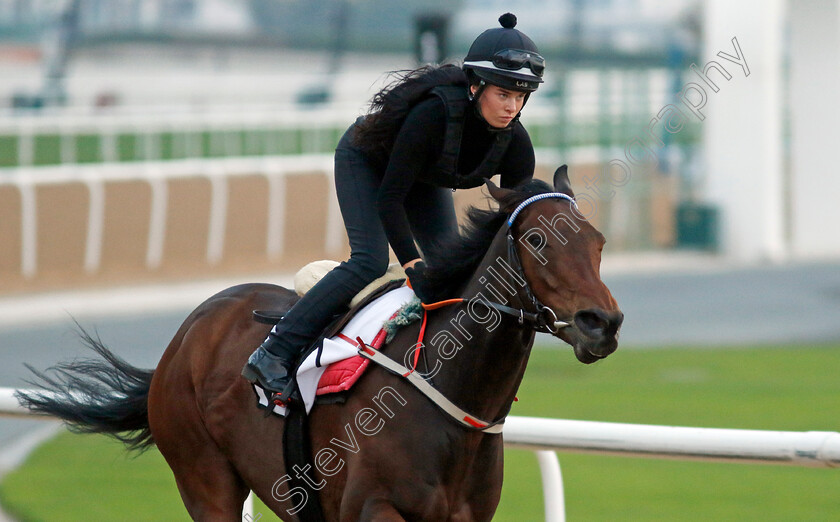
(543, 318)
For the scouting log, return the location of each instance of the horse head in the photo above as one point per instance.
(559, 252)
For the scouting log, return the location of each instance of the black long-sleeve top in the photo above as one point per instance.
(415, 153)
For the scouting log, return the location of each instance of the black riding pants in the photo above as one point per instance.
(431, 215)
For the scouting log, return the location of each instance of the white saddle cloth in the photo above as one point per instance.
(366, 324)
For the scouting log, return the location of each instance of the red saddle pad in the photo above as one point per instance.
(342, 375)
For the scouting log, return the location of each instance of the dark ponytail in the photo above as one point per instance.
(390, 106)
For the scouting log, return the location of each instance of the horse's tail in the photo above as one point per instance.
(105, 395)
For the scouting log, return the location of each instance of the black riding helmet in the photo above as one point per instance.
(506, 57)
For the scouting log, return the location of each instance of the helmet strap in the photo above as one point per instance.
(474, 99)
(481, 86)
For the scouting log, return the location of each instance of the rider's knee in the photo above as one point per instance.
(369, 267)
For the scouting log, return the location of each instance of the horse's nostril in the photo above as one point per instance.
(590, 322)
(598, 323)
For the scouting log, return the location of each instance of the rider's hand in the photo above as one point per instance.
(418, 282)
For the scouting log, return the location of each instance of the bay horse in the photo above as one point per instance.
(387, 452)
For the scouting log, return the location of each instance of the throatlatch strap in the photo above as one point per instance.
(460, 416)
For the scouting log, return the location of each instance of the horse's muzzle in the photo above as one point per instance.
(597, 333)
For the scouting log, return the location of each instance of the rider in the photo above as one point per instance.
(438, 128)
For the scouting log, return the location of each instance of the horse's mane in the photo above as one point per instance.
(452, 261)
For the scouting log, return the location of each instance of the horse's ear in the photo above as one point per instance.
(496, 192)
(561, 181)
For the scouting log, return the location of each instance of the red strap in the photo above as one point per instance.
(426, 308)
(364, 347)
(474, 423)
(419, 344)
(347, 339)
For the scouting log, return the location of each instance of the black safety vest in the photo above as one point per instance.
(445, 172)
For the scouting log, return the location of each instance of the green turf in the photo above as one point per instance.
(771, 388)
(792, 388)
(85, 477)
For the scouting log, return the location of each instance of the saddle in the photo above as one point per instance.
(339, 321)
(309, 275)
(306, 278)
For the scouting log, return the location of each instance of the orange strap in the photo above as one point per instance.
(441, 304)
(419, 345)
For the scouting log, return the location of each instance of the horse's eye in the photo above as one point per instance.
(536, 241)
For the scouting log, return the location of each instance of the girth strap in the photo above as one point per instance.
(297, 454)
(460, 416)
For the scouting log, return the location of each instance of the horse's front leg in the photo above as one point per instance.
(379, 510)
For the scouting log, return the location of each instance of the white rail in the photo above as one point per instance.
(218, 171)
(809, 448)
(545, 436)
(9, 406)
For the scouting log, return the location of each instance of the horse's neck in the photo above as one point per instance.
(484, 376)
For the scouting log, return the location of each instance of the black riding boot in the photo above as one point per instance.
(272, 366)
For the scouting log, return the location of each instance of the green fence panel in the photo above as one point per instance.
(167, 145)
(329, 139)
(47, 149)
(8, 151)
(268, 143)
(271, 143)
(254, 142)
(215, 144)
(602, 130)
(289, 141)
(338, 132)
(535, 132)
(127, 147)
(195, 144)
(552, 136)
(179, 145)
(235, 144)
(204, 140)
(88, 148)
(690, 134)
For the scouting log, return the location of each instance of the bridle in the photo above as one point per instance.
(542, 319)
